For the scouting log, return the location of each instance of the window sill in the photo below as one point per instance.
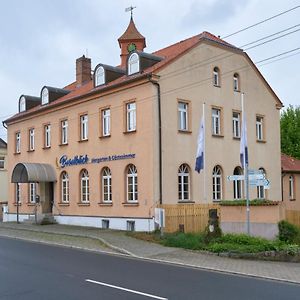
(218, 135)
(105, 204)
(130, 204)
(184, 131)
(64, 204)
(17, 153)
(31, 204)
(237, 91)
(217, 86)
(83, 204)
(216, 201)
(236, 138)
(185, 202)
(62, 145)
(15, 204)
(46, 148)
(128, 132)
(261, 141)
(293, 199)
(83, 141)
(30, 150)
(104, 136)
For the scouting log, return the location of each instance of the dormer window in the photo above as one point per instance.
(99, 76)
(133, 64)
(45, 96)
(22, 104)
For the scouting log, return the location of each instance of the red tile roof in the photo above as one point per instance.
(289, 163)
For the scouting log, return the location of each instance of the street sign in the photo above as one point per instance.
(235, 177)
(253, 172)
(260, 182)
(257, 176)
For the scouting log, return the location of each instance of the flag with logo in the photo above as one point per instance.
(243, 144)
(200, 148)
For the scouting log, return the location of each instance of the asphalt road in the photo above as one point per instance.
(36, 271)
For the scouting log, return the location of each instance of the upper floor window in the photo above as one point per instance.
(99, 76)
(47, 136)
(183, 115)
(236, 125)
(237, 184)
(133, 64)
(236, 82)
(18, 142)
(183, 183)
(106, 185)
(259, 128)
(2, 160)
(84, 186)
(31, 139)
(45, 96)
(132, 184)
(291, 187)
(131, 116)
(22, 104)
(216, 121)
(217, 183)
(216, 76)
(105, 122)
(64, 132)
(64, 187)
(83, 127)
(32, 192)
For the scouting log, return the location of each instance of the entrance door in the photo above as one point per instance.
(47, 204)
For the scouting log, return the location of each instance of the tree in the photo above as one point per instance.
(290, 131)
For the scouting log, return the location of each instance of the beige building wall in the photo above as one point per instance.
(189, 78)
(3, 177)
(291, 203)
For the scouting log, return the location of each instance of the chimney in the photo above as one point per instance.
(83, 70)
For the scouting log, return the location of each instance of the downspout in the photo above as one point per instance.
(159, 138)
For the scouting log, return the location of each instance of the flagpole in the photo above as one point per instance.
(246, 173)
(204, 160)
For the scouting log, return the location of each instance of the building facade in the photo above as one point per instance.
(3, 176)
(122, 141)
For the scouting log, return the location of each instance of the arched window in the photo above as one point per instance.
(99, 76)
(106, 185)
(133, 64)
(64, 187)
(291, 187)
(84, 186)
(216, 76)
(22, 104)
(132, 184)
(45, 96)
(217, 183)
(260, 189)
(183, 183)
(236, 82)
(237, 184)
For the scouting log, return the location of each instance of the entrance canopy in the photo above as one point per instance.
(33, 172)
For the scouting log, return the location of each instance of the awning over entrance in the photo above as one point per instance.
(33, 172)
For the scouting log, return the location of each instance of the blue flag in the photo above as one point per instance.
(200, 148)
(244, 144)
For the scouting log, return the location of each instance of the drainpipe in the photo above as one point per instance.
(159, 137)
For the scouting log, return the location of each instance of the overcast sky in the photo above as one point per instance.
(40, 40)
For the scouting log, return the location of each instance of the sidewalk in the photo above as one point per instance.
(119, 242)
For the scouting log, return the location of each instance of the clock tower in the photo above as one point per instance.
(129, 41)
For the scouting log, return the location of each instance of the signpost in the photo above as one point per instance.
(256, 178)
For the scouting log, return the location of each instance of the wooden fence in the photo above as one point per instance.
(293, 216)
(194, 217)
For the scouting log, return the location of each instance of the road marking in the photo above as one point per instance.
(126, 290)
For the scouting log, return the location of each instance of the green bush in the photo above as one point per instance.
(254, 202)
(288, 232)
(184, 240)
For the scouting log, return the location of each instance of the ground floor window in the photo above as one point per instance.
(132, 184)
(237, 184)
(106, 185)
(64, 187)
(84, 186)
(32, 192)
(217, 183)
(183, 183)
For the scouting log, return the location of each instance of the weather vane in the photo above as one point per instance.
(131, 8)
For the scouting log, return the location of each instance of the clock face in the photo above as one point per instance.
(131, 47)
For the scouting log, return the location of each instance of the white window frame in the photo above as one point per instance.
(236, 124)
(31, 139)
(106, 185)
(45, 96)
(236, 82)
(217, 183)
(64, 132)
(84, 187)
(259, 128)
(183, 110)
(132, 181)
(291, 187)
(18, 142)
(17, 192)
(2, 162)
(84, 127)
(100, 76)
(260, 190)
(32, 192)
(105, 122)
(47, 133)
(65, 187)
(183, 183)
(131, 116)
(133, 64)
(237, 185)
(216, 76)
(216, 121)
(22, 104)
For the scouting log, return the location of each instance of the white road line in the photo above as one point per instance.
(126, 290)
